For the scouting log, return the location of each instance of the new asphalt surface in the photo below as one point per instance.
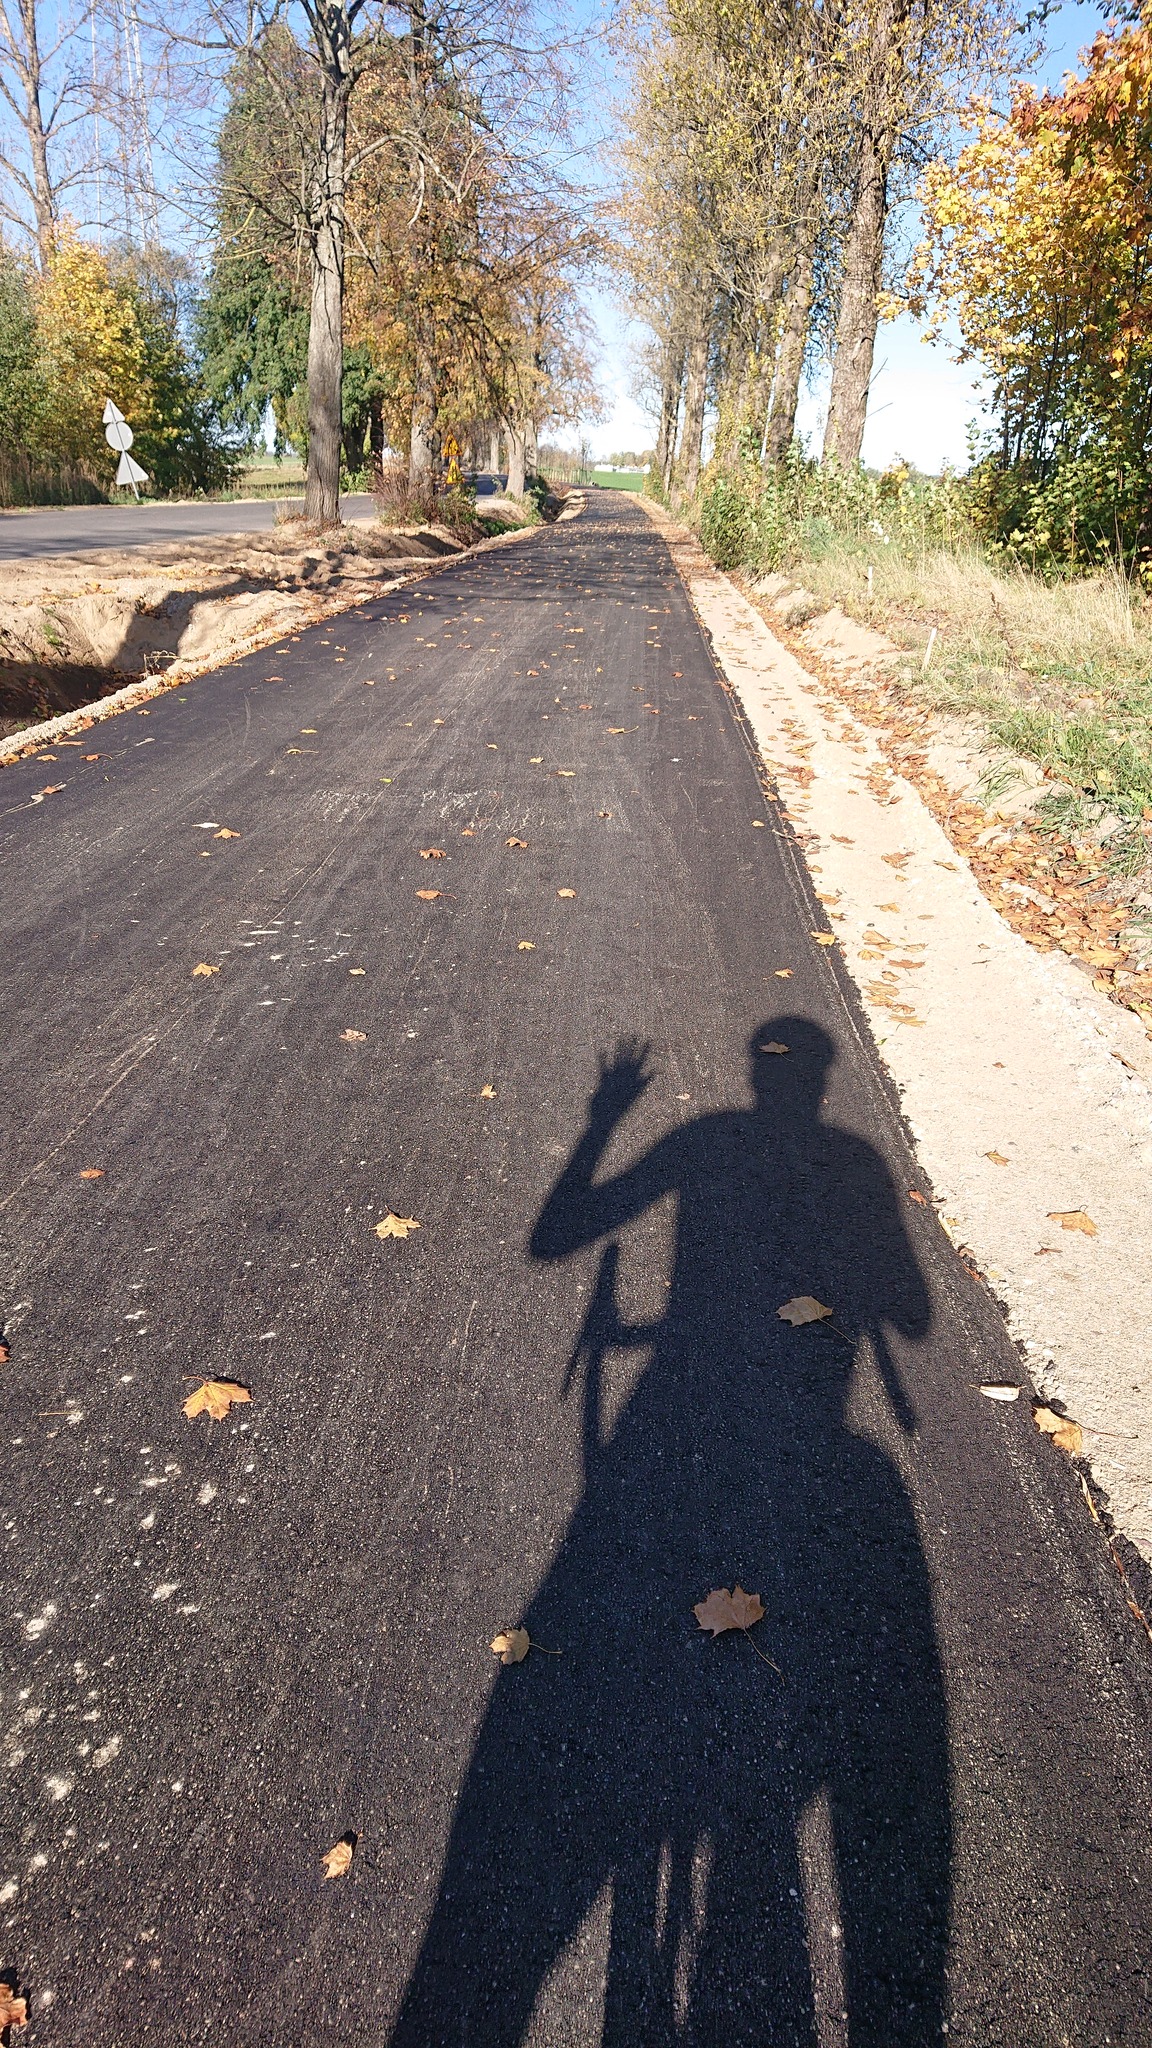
(913, 1802)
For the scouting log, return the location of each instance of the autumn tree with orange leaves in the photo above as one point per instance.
(1039, 245)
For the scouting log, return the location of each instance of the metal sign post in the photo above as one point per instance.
(118, 434)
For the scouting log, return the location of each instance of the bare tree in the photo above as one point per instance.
(43, 94)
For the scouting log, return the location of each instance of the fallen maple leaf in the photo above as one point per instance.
(487, 1093)
(566, 892)
(526, 946)
(429, 895)
(91, 1173)
(997, 1158)
(515, 842)
(803, 1308)
(224, 833)
(1065, 1434)
(351, 1037)
(824, 938)
(1073, 1219)
(396, 1226)
(13, 2010)
(204, 968)
(433, 853)
(215, 1398)
(723, 1610)
(773, 1045)
(511, 1645)
(337, 1861)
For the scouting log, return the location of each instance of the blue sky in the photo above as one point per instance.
(922, 400)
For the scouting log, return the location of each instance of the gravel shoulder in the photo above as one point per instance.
(1029, 1095)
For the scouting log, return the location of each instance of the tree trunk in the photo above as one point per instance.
(669, 411)
(424, 447)
(864, 248)
(331, 31)
(790, 361)
(531, 450)
(25, 57)
(695, 393)
(516, 434)
(376, 433)
(494, 450)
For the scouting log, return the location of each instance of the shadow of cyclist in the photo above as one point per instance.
(776, 1849)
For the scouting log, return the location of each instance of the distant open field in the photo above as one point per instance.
(619, 479)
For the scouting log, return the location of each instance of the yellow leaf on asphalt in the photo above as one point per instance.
(511, 1645)
(204, 968)
(487, 1093)
(1065, 1434)
(526, 946)
(1073, 1219)
(91, 1173)
(433, 853)
(357, 970)
(566, 771)
(354, 1037)
(337, 1861)
(224, 833)
(566, 892)
(396, 1226)
(782, 973)
(13, 2010)
(824, 938)
(803, 1308)
(429, 895)
(773, 1045)
(515, 842)
(723, 1610)
(215, 1398)
(995, 1390)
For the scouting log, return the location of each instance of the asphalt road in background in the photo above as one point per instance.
(913, 1801)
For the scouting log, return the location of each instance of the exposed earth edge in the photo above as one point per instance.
(218, 643)
(1028, 1094)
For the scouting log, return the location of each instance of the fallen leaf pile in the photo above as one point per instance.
(1054, 893)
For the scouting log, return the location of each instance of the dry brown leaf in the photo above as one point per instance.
(215, 1398)
(204, 968)
(615, 729)
(511, 1645)
(1065, 1434)
(824, 938)
(773, 1045)
(803, 1308)
(337, 1861)
(997, 1158)
(723, 1610)
(433, 853)
(914, 1195)
(566, 892)
(5, 1351)
(1073, 1219)
(487, 1093)
(566, 772)
(782, 973)
(13, 2010)
(396, 1226)
(515, 842)
(224, 833)
(354, 1037)
(91, 1173)
(526, 946)
(429, 895)
(357, 970)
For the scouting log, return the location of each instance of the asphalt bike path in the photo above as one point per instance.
(911, 1802)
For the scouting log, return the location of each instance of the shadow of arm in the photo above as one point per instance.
(577, 1210)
